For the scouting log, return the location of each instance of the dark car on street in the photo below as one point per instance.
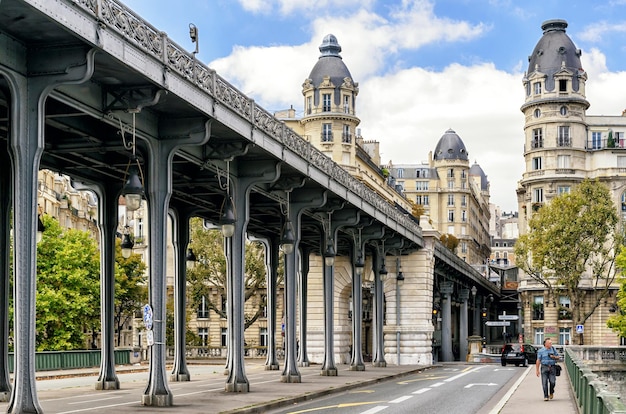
(518, 354)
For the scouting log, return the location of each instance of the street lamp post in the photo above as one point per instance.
(399, 282)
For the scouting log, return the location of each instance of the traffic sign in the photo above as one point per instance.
(580, 328)
(508, 317)
(498, 323)
(147, 316)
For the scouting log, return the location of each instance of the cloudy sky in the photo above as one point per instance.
(423, 66)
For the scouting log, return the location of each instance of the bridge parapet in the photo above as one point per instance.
(126, 23)
(597, 376)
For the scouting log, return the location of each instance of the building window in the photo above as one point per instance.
(538, 195)
(464, 216)
(450, 199)
(346, 104)
(309, 105)
(463, 174)
(400, 173)
(464, 201)
(327, 133)
(565, 312)
(326, 102)
(451, 184)
(264, 301)
(263, 338)
(537, 113)
(563, 161)
(450, 215)
(346, 136)
(565, 336)
(425, 200)
(536, 163)
(537, 138)
(224, 337)
(203, 309)
(224, 303)
(451, 173)
(421, 185)
(203, 333)
(463, 247)
(563, 189)
(539, 335)
(139, 227)
(563, 86)
(619, 139)
(563, 139)
(538, 309)
(596, 140)
(537, 88)
(563, 110)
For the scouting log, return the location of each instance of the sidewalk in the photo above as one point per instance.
(526, 396)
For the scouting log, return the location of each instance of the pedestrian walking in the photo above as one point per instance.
(547, 358)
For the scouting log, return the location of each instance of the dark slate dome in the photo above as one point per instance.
(553, 51)
(476, 170)
(330, 64)
(450, 147)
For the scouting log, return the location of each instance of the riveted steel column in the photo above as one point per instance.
(159, 191)
(248, 175)
(53, 67)
(446, 321)
(107, 194)
(378, 359)
(5, 227)
(180, 225)
(463, 324)
(304, 254)
(271, 264)
(301, 201)
(356, 363)
(340, 219)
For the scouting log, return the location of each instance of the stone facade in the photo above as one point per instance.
(562, 146)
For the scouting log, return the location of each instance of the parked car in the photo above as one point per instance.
(518, 354)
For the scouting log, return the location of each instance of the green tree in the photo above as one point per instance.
(208, 277)
(571, 246)
(131, 291)
(450, 241)
(617, 322)
(68, 287)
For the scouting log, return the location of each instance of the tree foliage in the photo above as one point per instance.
(617, 322)
(208, 277)
(572, 244)
(68, 287)
(450, 241)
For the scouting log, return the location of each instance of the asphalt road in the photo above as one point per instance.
(459, 389)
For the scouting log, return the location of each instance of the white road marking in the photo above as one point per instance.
(375, 409)
(400, 399)
(438, 384)
(462, 374)
(422, 391)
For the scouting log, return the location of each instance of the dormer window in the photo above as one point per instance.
(326, 102)
(562, 85)
(346, 104)
(537, 88)
(309, 105)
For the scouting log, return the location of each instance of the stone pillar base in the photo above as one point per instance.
(357, 367)
(475, 346)
(304, 364)
(272, 367)
(238, 387)
(291, 378)
(332, 372)
(163, 400)
(379, 364)
(180, 377)
(102, 385)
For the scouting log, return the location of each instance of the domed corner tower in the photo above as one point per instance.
(555, 127)
(454, 194)
(330, 120)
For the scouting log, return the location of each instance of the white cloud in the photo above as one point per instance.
(598, 30)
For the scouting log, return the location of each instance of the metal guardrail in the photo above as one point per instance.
(219, 352)
(56, 360)
(591, 393)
